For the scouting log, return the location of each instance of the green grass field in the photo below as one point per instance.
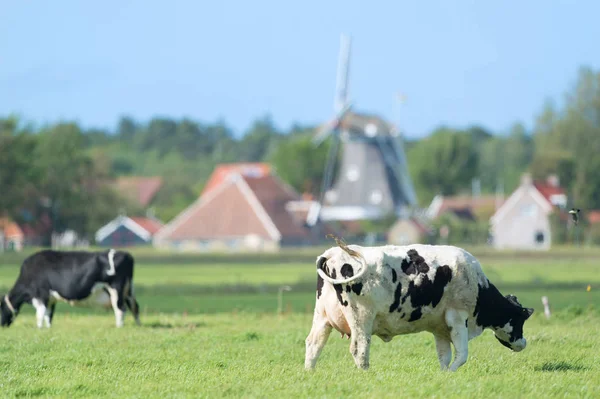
(210, 329)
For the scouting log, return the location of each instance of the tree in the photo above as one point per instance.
(17, 179)
(259, 141)
(572, 138)
(443, 163)
(517, 156)
(70, 188)
(300, 163)
(126, 129)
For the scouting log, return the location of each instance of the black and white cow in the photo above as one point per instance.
(392, 290)
(49, 276)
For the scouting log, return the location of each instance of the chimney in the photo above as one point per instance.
(526, 179)
(150, 213)
(553, 180)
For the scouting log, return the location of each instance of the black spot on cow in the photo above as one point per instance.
(319, 286)
(397, 294)
(415, 315)
(503, 342)
(357, 288)
(338, 289)
(347, 270)
(402, 315)
(414, 264)
(408, 267)
(430, 292)
(467, 323)
(406, 295)
(321, 264)
(394, 276)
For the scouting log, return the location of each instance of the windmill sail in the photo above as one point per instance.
(372, 180)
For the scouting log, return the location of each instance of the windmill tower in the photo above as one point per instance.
(372, 180)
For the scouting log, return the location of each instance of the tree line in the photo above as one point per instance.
(64, 171)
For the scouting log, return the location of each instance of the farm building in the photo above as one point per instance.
(408, 231)
(126, 231)
(11, 236)
(464, 207)
(250, 169)
(138, 189)
(246, 209)
(523, 221)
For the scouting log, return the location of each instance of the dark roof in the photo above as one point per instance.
(357, 123)
(460, 205)
(273, 195)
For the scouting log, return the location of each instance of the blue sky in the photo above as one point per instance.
(457, 62)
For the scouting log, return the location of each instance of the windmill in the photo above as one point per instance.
(372, 180)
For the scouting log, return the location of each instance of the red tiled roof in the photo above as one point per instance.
(139, 189)
(252, 169)
(10, 228)
(593, 216)
(225, 213)
(148, 224)
(548, 190)
(240, 206)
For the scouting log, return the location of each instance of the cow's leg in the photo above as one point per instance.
(444, 351)
(40, 311)
(49, 314)
(360, 341)
(116, 299)
(316, 340)
(132, 303)
(459, 335)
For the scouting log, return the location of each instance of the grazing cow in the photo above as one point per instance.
(48, 276)
(392, 290)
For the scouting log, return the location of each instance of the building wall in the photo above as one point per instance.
(235, 244)
(525, 226)
(404, 232)
(122, 237)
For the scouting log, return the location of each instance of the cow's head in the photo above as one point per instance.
(7, 312)
(511, 334)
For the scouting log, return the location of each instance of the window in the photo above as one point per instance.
(559, 200)
(528, 210)
(539, 237)
(376, 197)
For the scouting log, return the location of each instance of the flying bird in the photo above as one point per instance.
(575, 215)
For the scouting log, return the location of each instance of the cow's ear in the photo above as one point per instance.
(528, 311)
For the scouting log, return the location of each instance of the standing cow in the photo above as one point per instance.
(392, 290)
(49, 276)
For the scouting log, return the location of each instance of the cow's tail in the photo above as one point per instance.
(111, 263)
(326, 277)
